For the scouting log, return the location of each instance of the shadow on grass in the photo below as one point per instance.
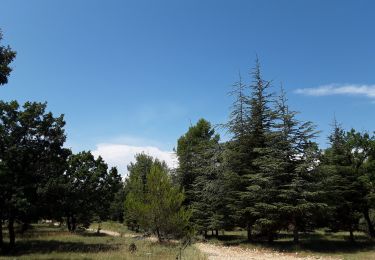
(92, 234)
(315, 243)
(46, 247)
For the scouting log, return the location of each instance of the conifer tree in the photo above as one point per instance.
(135, 188)
(297, 181)
(199, 148)
(191, 150)
(250, 124)
(162, 209)
(209, 206)
(341, 182)
(156, 206)
(362, 151)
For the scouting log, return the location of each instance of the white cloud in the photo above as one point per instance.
(337, 89)
(120, 155)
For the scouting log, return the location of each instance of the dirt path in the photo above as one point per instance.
(117, 234)
(216, 252)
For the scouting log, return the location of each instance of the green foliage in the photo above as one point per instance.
(249, 123)
(88, 189)
(135, 189)
(349, 167)
(271, 162)
(298, 196)
(7, 55)
(201, 174)
(191, 148)
(156, 205)
(163, 205)
(32, 157)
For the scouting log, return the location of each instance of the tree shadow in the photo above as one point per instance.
(319, 246)
(92, 234)
(45, 247)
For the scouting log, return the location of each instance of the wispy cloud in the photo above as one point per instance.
(339, 89)
(120, 155)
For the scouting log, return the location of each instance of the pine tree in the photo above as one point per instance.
(297, 184)
(209, 208)
(157, 206)
(341, 194)
(362, 150)
(202, 183)
(238, 153)
(191, 149)
(136, 189)
(163, 208)
(244, 148)
(135, 186)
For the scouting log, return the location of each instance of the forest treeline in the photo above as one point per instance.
(269, 177)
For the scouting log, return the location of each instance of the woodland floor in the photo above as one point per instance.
(48, 242)
(315, 245)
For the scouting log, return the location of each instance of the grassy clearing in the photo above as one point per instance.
(318, 243)
(48, 242)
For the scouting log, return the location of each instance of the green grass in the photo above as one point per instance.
(318, 243)
(48, 242)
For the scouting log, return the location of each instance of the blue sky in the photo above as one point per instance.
(134, 74)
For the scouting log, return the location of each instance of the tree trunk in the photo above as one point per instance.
(216, 233)
(74, 224)
(1, 233)
(158, 234)
(68, 223)
(369, 223)
(12, 236)
(270, 237)
(205, 233)
(295, 234)
(212, 232)
(295, 231)
(25, 227)
(99, 228)
(351, 234)
(249, 236)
